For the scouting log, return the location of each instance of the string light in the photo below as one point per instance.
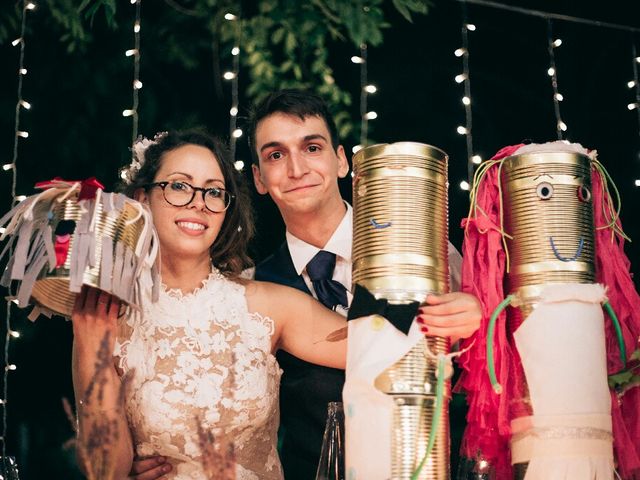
(635, 83)
(371, 115)
(357, 59)
(136, 85)
(365, 90)
(234, 131)
(356, 149)
(370, 89)
(465, 79)
(561, 127)
(21, 104)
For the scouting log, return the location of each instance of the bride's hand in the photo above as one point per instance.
(94, 316)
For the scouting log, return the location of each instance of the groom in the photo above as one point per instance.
(297, 161)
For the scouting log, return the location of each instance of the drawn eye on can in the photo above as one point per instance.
(584, 194)
(544, 190)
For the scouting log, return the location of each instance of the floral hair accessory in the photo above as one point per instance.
(128, 173)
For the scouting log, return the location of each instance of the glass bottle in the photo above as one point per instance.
(331, 465)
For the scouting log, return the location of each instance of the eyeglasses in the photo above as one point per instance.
(179, 194)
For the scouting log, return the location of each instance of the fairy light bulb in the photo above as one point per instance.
(370, 89)
(557, 42)
(239, 165)
(14, 334)
(558, 97)
(471, 27)
(137, 84)
(128, 112)
(233, 111)
(464, 185)
(22, 133)
(237, 133)
(356, 149)
(461, 130)
(229, 16)
(551, 72)
(371, 115)
(357, 59)
(562, 126)
(631, 83)
(21, 198)
(7, 166)
(24, 104)
(476, 159)
(16, 42)
(637, 182)
(229, 75)
(466, 100)
(460, 78)
(136, 27)
(235, 51)
(632, 106)
(22, 71)
(459, 52)
(30, 6)
(131, 52)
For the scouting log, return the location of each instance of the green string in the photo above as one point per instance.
(436, 416)
(611, 212)
(623, 349)
(490, 334)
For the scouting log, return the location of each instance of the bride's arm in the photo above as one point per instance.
(302, 324)
(104, 439)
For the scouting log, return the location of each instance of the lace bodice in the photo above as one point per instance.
(202, 364)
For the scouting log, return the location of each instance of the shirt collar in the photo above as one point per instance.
(339, 243)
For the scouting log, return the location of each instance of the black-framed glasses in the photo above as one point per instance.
(180, 194)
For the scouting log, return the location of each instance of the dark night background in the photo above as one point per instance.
(77, 130)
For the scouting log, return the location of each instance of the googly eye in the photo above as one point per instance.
(544, 190)
(584, 194)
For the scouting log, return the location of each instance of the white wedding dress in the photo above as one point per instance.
(202, 361)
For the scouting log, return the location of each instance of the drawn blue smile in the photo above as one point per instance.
(566, 259)
(377, 225)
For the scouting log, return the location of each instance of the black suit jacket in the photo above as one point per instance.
(305, 389)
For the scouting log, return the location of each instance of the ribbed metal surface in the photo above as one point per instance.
(400, 228)
(563, 221)
(52, 289)
(412, 383)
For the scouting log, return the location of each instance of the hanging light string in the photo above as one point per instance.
(366, 89)
(635, 83)
(18, 133)
(465, 79)
(364, 120)
(233, 77)
(552, 44)
(554, 16)
(137, 84)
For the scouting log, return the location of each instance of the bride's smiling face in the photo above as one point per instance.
(190, 230)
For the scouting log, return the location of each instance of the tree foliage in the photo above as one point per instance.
(284, 43)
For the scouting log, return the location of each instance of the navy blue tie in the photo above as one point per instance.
(320, 270)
